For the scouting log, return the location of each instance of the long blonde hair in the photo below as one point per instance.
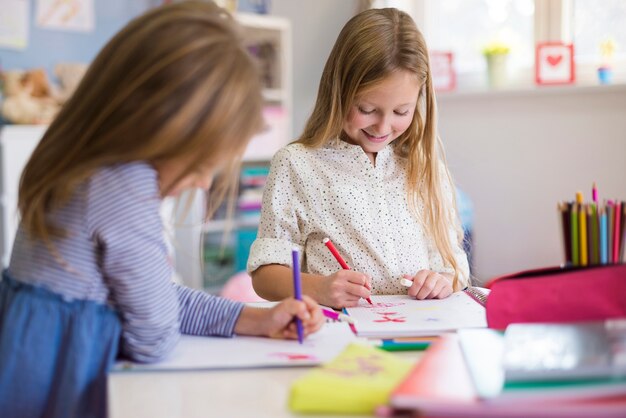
(371, 46)
(175, 82)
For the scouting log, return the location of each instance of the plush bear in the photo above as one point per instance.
(28, 98)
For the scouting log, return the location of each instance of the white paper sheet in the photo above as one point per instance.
(402, 316)
(196, 353)
(14, 24)
(71, 15)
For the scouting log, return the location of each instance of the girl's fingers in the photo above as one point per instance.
(428, 286)
(359, 291)
(437, 289)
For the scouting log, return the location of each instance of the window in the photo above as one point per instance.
(595, 22)
(466, 27)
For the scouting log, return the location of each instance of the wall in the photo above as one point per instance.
(315, 26)
(312, 41)
(518, 154)
(46, 48)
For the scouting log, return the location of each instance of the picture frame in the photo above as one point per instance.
(442, 70)
(554, 63)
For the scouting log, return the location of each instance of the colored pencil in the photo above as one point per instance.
(582, 229)
(579, 198)
(574, 225)
(603, 238)
(564, 209)
(594, 193)
(592, 228)
(610, 222)
(623, 232)
(617, 232)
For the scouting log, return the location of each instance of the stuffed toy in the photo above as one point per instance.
(28, 97)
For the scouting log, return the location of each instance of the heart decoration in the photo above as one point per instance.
(554, 60)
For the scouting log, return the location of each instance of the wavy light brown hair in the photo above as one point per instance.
(176, 82)
(371, 46)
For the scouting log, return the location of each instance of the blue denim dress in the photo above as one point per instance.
(54, 353)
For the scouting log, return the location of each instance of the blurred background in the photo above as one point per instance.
(531, 98)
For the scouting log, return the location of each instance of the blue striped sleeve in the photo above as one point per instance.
(204, 314)
(124, 219)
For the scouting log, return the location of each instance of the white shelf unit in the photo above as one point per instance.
(17, 142)
(190, 232)
(273, 33)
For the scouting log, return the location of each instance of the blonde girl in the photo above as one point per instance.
(369, 173)
(169, 102)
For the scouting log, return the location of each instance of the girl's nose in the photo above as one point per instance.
(382, 125)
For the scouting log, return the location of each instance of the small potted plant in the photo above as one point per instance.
(496, 54)
(605, 70)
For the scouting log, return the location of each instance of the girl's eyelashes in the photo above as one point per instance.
(370, 111)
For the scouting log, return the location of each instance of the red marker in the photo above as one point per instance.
(339, 259)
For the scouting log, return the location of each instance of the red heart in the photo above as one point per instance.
(553, 60)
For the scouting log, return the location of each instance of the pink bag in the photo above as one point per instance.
(558, 295)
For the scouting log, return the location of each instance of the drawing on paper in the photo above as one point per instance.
(401, 315)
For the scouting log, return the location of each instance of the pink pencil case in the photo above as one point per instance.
(557, 294)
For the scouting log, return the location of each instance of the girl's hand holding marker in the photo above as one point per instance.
(354, 284)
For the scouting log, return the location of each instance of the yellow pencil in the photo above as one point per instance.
(583, 234)
(579, 197)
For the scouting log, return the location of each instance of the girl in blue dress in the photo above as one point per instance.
(170, 102)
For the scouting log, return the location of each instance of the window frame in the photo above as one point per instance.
(553, 22)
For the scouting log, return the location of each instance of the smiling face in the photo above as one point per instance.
(382, 113)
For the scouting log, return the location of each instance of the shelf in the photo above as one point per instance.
(266, 22)
(274, 95)
(533, 90)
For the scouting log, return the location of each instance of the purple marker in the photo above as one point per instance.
(297, 288)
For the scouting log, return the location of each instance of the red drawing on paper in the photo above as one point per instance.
(295, 356)
(385, 305)
(389, 317)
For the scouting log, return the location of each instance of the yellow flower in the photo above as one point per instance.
(496, 48)
(607, 48)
